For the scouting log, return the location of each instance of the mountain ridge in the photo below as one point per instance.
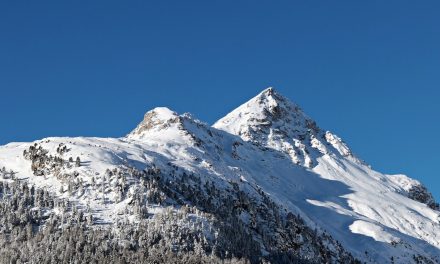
(268, 154)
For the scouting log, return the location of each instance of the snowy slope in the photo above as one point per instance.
(266, 146)
(361, 207)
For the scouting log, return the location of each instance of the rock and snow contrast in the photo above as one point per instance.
(263, 184)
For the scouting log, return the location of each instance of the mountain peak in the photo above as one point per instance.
(267, 109)
(268, 91)
(270, 120)
(162, 113)
(271, 94)
(156, 119)
(274, 104)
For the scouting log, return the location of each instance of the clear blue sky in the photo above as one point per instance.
(367, 70)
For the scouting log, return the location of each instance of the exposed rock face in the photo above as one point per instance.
(421, 194)
(155, 120)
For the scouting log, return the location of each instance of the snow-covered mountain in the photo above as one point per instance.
(264, 183)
